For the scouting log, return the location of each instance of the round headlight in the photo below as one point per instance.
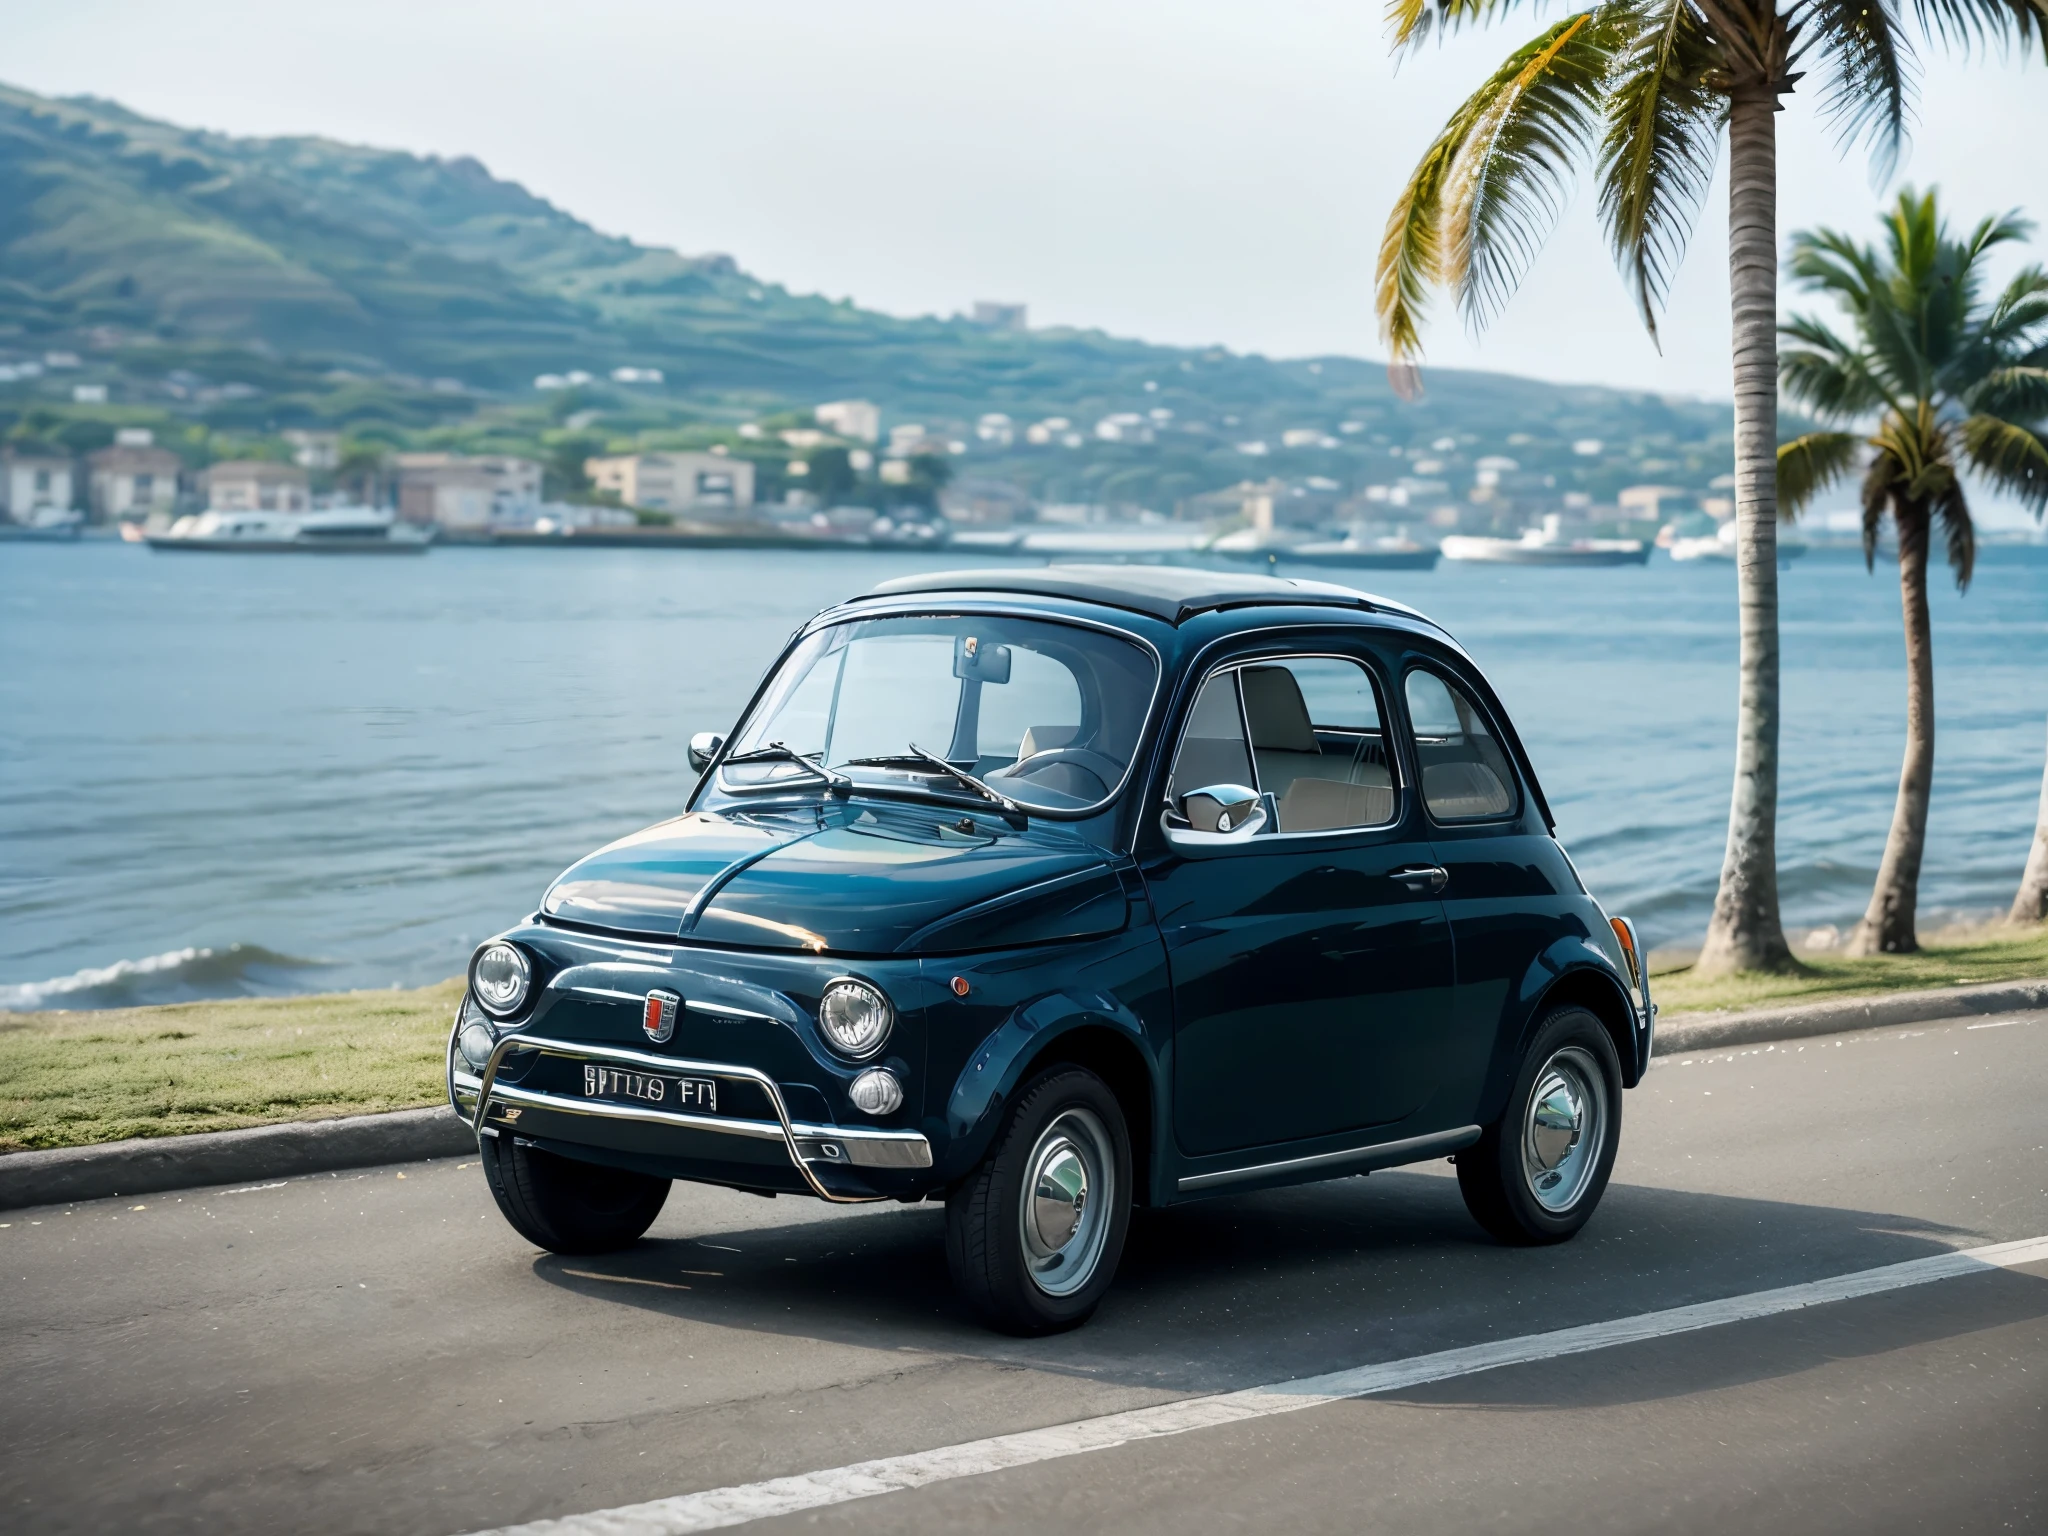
(855, 1017)
(500, 978)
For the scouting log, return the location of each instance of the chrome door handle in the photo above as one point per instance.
(1416, 876)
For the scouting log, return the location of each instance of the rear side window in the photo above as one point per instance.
(1305, 730)
(1465, 774)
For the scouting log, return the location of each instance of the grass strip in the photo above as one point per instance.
(1954, 957)
(70, 1079)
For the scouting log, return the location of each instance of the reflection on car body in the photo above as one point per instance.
(1054, 892)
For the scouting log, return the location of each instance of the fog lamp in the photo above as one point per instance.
(500, 977)
(876, 1092)
(475, 1043)
(855, 1017)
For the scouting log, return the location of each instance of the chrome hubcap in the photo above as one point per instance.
(1566, 1124)
(1066, 1196)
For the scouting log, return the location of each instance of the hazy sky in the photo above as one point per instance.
(1191, 171)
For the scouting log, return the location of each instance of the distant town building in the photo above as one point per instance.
(466, 491)
(997, 428)
(32, 483)
(133, 437)
(314, 450)
(252, 485)
(996, 316)
(88, 394)
(985, 503)
(637, 376)
(131, 479)
(676, 482)
(860, 420)
(1654, 502)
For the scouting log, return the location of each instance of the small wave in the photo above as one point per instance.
(176, 976)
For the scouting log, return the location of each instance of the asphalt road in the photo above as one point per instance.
(378, 1352)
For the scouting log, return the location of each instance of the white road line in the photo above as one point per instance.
(717, 1508)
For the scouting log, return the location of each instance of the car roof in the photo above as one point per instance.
(1175, 593)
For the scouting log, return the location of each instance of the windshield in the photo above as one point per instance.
(1047, 715)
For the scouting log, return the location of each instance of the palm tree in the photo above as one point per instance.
(1953, 381)
(1645, 88)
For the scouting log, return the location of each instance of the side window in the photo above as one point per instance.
(1212, 751)
(1465, 774)
(1316, 743)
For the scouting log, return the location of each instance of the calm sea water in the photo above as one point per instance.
(224, 774)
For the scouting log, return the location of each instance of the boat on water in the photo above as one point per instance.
(45, 525)
(336, 531)
(1546, 546)
(1721, 546)
(1376, 554)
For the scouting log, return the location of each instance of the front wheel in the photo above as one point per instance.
(1538, 1171)
(1033, 1235)
(566, 1206)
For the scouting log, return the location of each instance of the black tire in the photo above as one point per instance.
(1014, 1282)
(565, 1206)
(1507, 1186)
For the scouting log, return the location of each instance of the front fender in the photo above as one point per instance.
(989, 1079)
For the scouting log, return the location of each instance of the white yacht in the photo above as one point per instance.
(336, 530)
(1721, 546)
(1546, 546)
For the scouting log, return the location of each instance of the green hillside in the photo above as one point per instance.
(227, 288)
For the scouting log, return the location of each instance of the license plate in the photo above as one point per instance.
(689, 1093)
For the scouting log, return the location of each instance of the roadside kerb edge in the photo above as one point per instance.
(150, 1164)
(1710, 1031)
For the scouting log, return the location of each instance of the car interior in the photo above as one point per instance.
(1465, 774)
(1322, 775)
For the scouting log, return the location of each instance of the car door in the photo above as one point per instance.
(1509, 886)
(1309, 973)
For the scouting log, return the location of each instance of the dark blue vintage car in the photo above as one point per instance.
(1048, 892)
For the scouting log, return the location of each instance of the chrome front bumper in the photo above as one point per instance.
(809, 1146)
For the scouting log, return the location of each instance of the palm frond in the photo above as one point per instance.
(1950, 510)
(1832, 388)
(1878, 481)
(1809, 465)
(2017, 392)
(1662, 137)
(1512, 175)
(1411, 21)
(1871, 73)
(1828, 261)
(1480, 199)
(1981, 23)
(2010, 456)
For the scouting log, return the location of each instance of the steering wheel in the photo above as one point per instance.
(1104, 770)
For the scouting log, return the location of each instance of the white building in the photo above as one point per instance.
(252, 485)
(458, 490)
(32, 483)
(132, 479)
(860, 420)
(676, 482)
(314, 450)
(996, 315)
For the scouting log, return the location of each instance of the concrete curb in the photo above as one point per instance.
(1709, 1031)
(151, 1163)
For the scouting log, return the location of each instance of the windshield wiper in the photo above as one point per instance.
(918, 754)
(783, 752)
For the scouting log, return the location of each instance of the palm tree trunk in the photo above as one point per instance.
(1887, 928)
(1746, 934)
(2031, 905)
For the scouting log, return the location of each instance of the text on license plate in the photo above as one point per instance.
(670, 1092)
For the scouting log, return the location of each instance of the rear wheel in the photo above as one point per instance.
(1539, 1171)
(566, 1206)
(1033, 1235)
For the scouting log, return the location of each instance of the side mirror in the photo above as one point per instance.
(704, 746)
(1216, 813)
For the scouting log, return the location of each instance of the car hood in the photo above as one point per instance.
(848, 879)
